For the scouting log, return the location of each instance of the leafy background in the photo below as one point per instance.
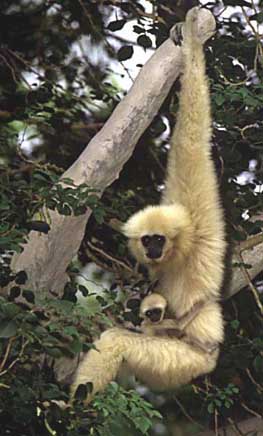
(64, 66)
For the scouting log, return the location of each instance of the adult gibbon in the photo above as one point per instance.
(182, 242)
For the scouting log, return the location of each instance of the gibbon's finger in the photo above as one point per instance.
(176, 33)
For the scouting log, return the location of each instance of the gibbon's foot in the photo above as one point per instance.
(176, 33)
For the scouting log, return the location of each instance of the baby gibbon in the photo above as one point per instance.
(182, 242)
(152, 311)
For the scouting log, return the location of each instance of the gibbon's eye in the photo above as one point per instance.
(159, 238)
(145, 240)
(154, 315)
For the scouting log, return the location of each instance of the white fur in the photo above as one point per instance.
(191, 267)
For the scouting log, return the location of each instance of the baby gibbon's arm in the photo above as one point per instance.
(167, 327)
(189, 316)
(178, 325)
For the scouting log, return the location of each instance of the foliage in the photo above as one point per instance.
(32, 337)
(58, 63)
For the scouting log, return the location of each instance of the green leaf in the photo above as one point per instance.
(21, 278)
(219, 99)
(99, 215)
(211, 408)
(143, 424)
(218, 402)
(125, 52)
(54, 352)
(8, 329)
(235, 324)
(116, 25)
(28, 295)
(144, 41)
(138, 29)
(83, 290)
(14, 292)
(258, 364)
(17, 125)
(10, 310)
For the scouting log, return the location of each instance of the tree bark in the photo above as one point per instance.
(45, 258)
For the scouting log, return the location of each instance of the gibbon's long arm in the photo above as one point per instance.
(189, 163)
(191, 177)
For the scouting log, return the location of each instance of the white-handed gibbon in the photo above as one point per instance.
(182, 242)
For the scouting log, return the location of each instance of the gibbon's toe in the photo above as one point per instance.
(176, 33)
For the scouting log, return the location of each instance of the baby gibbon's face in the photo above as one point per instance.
(154, 315)
(152, 308)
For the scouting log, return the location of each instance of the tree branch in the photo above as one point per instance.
(247, 426)
(251, 251)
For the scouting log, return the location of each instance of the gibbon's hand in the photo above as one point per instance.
(202, 26)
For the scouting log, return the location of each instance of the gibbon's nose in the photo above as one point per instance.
(154, 252)
(154, 315)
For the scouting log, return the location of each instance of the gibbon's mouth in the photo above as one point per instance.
(161, 259)
(154, 261)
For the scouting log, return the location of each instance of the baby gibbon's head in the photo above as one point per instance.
(154, 232)
(153, 307)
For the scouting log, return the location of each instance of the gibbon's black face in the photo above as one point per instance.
(153, 245)
(154, 315)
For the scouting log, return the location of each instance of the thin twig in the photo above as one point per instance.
(252, 412)
(235, 427)
(15, 360)
(7, 351)
(186, 414)
(258, 386)
(216, 422)
(250, 284)
(114, 260)
(251, 242)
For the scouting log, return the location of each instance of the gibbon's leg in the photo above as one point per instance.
(162, 363)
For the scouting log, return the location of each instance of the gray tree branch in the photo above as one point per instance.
(252, 254)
